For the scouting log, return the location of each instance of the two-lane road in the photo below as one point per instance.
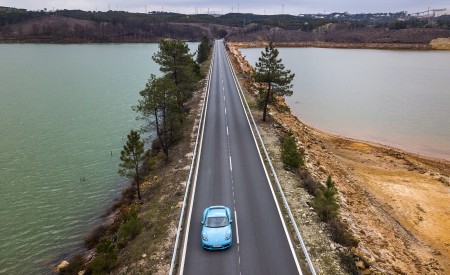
(231, 173)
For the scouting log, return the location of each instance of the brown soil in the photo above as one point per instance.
(396, 203)
(440, 43)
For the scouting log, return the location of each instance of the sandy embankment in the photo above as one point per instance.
(397, 203)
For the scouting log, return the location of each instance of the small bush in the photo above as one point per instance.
(155, 147)
(92, 239)
(130, 228)
(290, 155)
(348, 261)
(341, 233)
(325, 202)
(105, 258)
(312, 186)
(130, 213)
(153, 160)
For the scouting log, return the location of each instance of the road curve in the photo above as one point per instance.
(231, 173)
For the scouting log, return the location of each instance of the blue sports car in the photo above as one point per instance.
(217, 232)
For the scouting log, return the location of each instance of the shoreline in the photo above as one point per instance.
(438, 44)
(376, 143)
(383, 191)
(373, 142)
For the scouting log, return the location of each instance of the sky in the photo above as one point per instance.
(226, 6)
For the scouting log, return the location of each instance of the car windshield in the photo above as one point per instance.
(216, 222)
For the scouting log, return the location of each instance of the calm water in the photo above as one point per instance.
(397, 98)
(63, 110)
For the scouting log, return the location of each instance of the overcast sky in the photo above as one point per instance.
(226, 6)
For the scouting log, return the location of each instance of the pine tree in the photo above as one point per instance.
(204, 48)
(131, 156)
(272, 76)
(325, 202)
(290, 155)
(159, 107)
(178, 65)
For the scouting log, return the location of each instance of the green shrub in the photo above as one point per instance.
(94, 237)
(105, 258)
(290, 155)
(154, 159)
(325, 202)
(130, 228)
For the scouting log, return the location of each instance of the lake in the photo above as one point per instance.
(65, 111)
(396, 98)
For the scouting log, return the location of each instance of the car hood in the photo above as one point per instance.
(216, 234)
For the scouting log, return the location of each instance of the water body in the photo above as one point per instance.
(65, 111)
(397, 98)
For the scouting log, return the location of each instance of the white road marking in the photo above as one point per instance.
(225, 110)
(237, 231)
(227, 131)
(242, 99)
(231, 166)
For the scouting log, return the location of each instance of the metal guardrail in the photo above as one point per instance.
(188, 183)
(280, 189)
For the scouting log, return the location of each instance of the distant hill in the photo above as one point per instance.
(76, 26)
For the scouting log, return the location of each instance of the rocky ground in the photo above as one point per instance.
(396, 203)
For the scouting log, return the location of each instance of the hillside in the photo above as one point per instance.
(76, 26)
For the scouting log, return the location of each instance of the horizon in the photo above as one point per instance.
(446, 12)
(260, 7)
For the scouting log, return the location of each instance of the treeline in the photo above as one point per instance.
(72, 26)
(239, 20)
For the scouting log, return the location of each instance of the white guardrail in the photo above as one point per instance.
(280, 189)
(193, 163)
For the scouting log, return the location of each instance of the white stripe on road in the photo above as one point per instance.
(227, 132)
(237, 231)
(231, 166)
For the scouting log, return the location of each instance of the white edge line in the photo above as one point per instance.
(265, 171)
(188, 222)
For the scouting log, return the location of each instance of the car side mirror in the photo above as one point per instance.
(231, 221)
(201, 222)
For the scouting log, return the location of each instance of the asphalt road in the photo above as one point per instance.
(231, 173)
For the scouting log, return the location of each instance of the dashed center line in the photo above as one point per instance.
(237, 230)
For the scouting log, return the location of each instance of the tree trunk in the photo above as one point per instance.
(266, 102)
(137, 182)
